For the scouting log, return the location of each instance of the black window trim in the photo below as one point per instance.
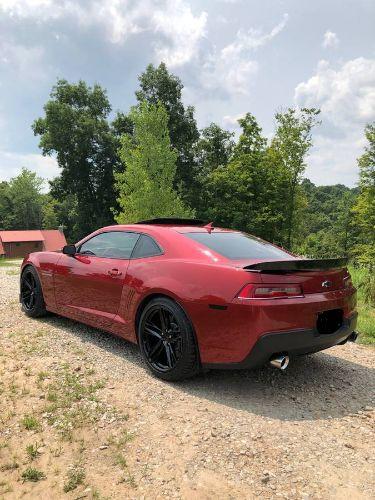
(139, 233)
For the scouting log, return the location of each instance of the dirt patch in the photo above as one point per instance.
(81, 418)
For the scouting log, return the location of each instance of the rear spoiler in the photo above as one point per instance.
(298, 265)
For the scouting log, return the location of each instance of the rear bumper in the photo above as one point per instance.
(292, 342)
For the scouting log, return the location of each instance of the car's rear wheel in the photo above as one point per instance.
(167, 341)
(32, 300)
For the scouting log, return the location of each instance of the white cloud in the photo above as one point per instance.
(184, 31)
(232, 68)
(330, 40)
(181, 30)
(346, 97)
(252, 39)
(231, 121)
(12, 163)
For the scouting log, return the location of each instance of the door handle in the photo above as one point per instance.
(114, 272)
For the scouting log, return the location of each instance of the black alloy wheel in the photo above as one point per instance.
(31, 295)
(167, 341)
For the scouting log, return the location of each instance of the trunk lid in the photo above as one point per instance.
(315, 276)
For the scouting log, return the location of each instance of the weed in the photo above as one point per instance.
(32, 474)
(10, 466)
(32, 451)
(30, 423)
(42, 376)
(120, 460)
(75, 476)
(73, 402)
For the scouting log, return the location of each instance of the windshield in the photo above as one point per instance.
(237, 246)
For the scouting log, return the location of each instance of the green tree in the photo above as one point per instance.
(5, 204)
(292, 142)
(24, 201)
(364, 208)
(327, 228)
(76, 129)
(145, 187)
(157, 85)
(214, 148)
(242, 193)
(49, 213)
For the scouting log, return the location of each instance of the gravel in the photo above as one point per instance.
(304, 433)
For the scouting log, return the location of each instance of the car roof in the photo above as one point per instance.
(155, 228)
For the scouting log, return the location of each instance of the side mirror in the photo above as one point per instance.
(69, 250)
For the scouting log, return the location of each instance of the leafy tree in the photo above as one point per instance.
(292, 142)
(241, 194)
(327, 228)
(5, 204)
(49, 213)
(364, 208)
(66, 209)
(23, 201)
(145, 187)
(214, 148)
(157, 85)
(76, 129)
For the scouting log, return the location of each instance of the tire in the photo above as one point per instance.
(167, 342)
(31, 295)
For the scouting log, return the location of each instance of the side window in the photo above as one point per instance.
(113, 245)
(146, 247)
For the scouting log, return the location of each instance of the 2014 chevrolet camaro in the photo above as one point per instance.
(194, 296)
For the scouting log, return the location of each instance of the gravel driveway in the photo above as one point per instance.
(304, 433)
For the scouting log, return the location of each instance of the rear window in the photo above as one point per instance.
(237, 246)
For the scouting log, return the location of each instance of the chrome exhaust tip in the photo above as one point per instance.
(353, 337)
(281, 362)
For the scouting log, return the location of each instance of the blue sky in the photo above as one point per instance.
(233, 56)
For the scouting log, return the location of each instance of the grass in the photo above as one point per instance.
(75, 476)
(366, 317)
(9, 467)
(32, 451)
(32, 474)
(30, 423)
(72, 401)
(9, 262)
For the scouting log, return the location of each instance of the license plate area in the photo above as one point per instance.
(329, 321)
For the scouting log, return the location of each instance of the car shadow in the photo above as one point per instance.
(319, 386)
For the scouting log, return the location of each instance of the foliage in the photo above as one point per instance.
(76, 129)
(75, 476)
(364, 282)
(328, 228)
(243, 193)
(157, 85)
(21, 201)
(291, 143)
(146, 186)
(364, 208)
(32, 474)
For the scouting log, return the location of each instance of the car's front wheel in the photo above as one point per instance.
(31, 296)
(167, 341)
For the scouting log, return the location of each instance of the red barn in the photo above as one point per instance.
(19, 243)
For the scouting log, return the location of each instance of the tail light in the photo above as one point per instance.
(251, 291)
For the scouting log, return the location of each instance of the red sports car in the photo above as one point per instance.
(194, 296)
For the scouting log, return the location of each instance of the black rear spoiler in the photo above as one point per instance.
(298, 265)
